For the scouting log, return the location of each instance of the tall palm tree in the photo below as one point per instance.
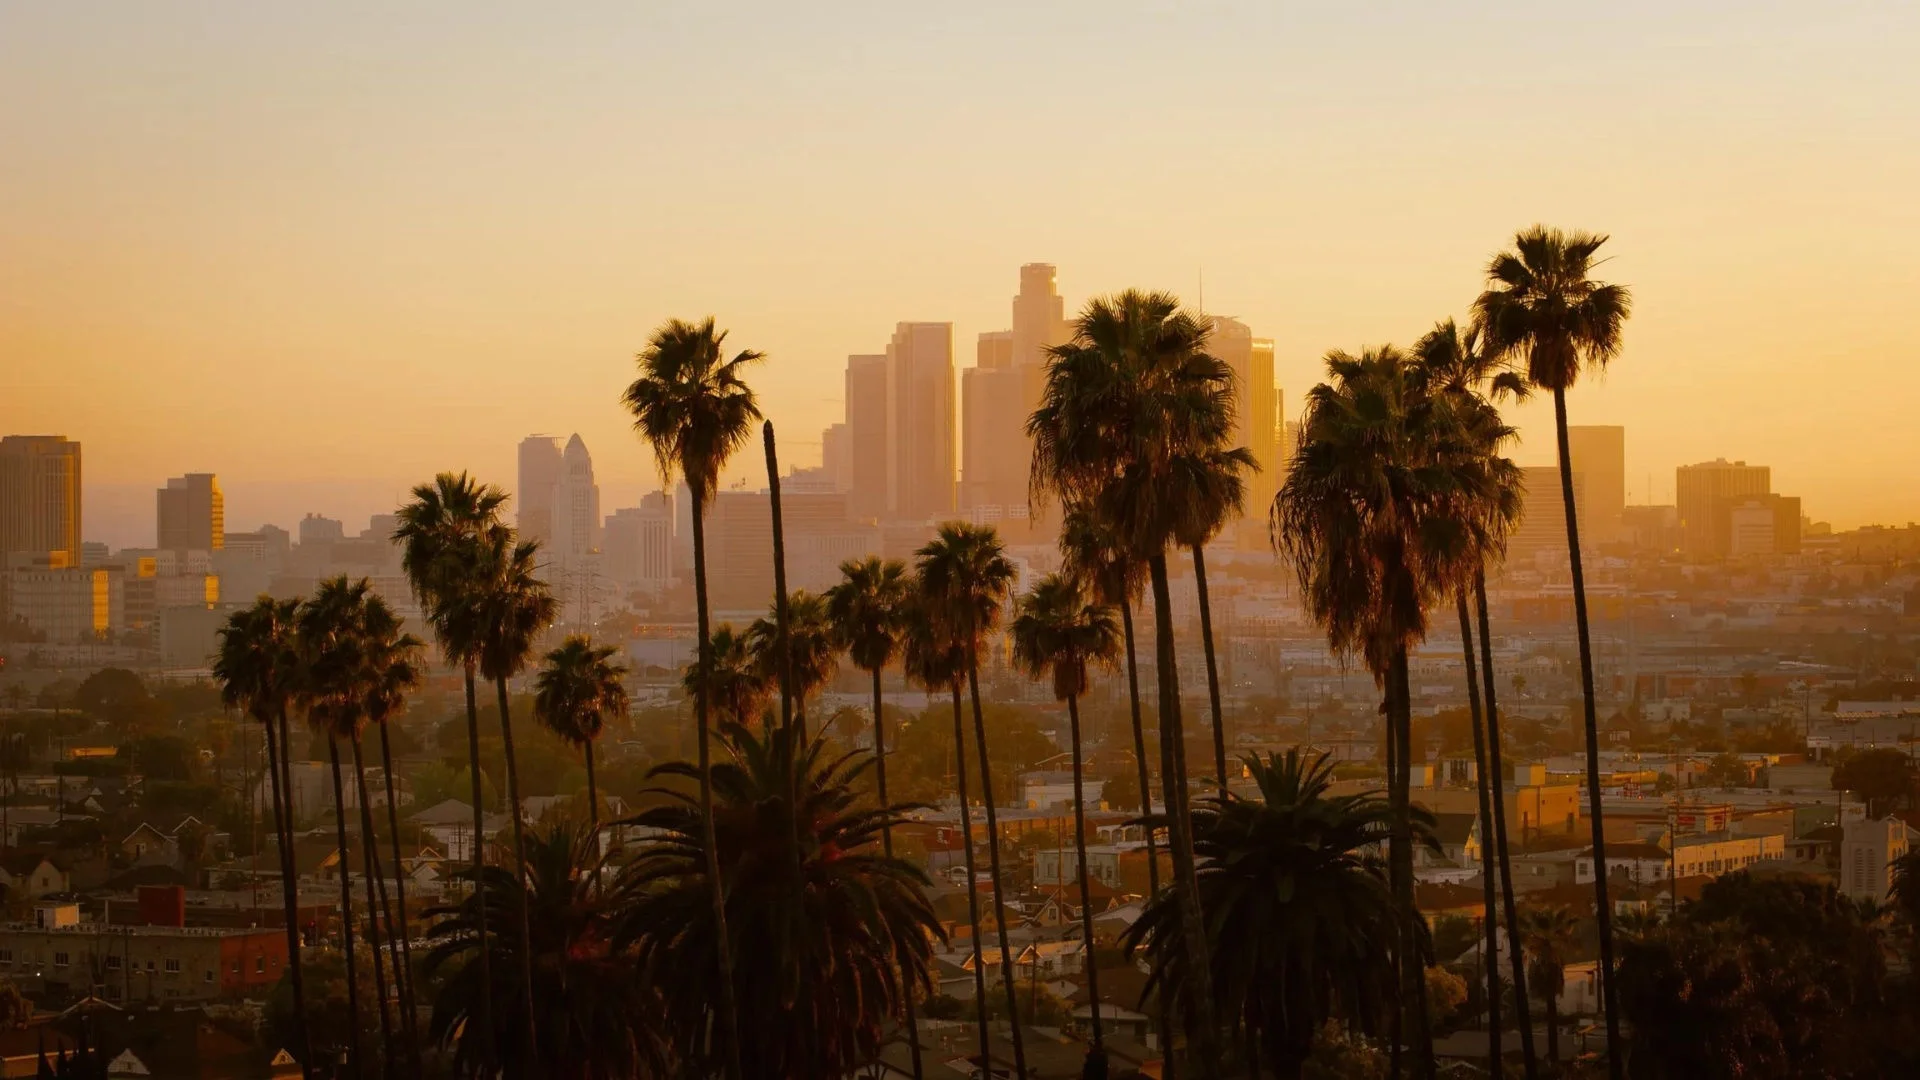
(1551, 934)
(1060, 633)
(258, 669)
(695, 410)
(332, 695)
(935, 660)
(440, 533)
(1210, 486)
(1544, 309)
(505, 611)
(1453, 363)
(1291, 881)
(867, 611)
(392, 669)
(737, 689)
(1377, 514)
(597, 1019)
(1124, 402)
(964, 576)
(837, 947)
(579, 687)
(812, 647)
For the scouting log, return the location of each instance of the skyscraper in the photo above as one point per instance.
(868, 437)
(638, 544)
(40, 498)
(994, 455)
(836, 456)
(1542, 526)
(920, 468)
(573, 509)
(190, 514)
(540, 466)
(1705, 495)
(1600, 457)
(1257, 412)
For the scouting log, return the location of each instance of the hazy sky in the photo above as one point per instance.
(325, 249)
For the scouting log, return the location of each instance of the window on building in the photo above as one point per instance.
(113, 962)
(209, 975)
(6, 957)
(173, 967)
(260, 966)
(61, 959)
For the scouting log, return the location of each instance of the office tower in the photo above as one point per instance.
(836, 456)
(868, 439)
(1542, 528)
(818, 538)
(1705, 495)
(1256, 410)
(573, 509)
(540, 466)
(39, 498)
(191, 514)
(1599, 455)
(920, 468)
(993, 444)
(638, 545)
(315, 529)
(1039, 317)
(1763, 525)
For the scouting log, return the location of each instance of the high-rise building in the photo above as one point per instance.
(993, 444)
(739, 536)
(1600, 457)
(540, 466)
(40, 498)
(920, 469)
(638, 544)
(1706, 494)
(1764, 525)
(869, 441)
(1542, 528)
(318, 530)
(1257, 413)
(836, 456)
(573, 509)
(191, 514)
(1039, 317)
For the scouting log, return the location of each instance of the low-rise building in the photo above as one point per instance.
(59, 955)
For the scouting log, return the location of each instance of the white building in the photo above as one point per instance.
(637, 545)
(1868, 850)
(575, 508)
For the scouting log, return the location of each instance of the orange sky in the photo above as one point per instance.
(325, 250)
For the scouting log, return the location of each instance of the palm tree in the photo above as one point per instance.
(597, 1019)
(1289, 879)
(1453, 363)
(692, 406)
(812, 648)
(392, 669)
(964, 576)
(258, 669)
(440, 532)
(737, 689)
(1377, 514)
(837, 946)
(1131, 397)
(1210, 488)
(505, 611)
(1550, 934)
(937, 661)
(1544, 309)
(866, 611)
(579, 687)
(331, 694)
(1059, 633)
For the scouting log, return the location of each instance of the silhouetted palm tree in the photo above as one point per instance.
(868, 610)
(737, 689)
(1290, 880)
(392, 669)
(812, 647)
(1543, 308)
(578, 689)
(1124, 402)
(837, 945)
(694, 409)
(1058, 633)
(1210, 487)
(597, 1018)
(1551, 934)
(963, 576)
(258, 669)
(440, 533)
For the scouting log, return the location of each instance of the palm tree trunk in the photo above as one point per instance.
(489, 1049)
(886, 845)
(1213, 675)
(727, 1030)
(1086, 894)
(1146, 800)
(593, 799)
(367, 844)
(403, 965)
(1205, 1033)
(993, 866)
(1413, 983)
(1496, 778)
(1603, 909)
(973, 892)
(782, 645)
(290, 900)
(1553, 1027)
(358, 1068)
(519, 874)
(1488, 905)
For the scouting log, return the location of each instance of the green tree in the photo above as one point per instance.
(1543, 308)
(837, 946)
(693, 408)
(440, 533)
(812, 647)
(1880, 777)
(1058, 633)
(963, 576)
(1289, 879)
(578, 689)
